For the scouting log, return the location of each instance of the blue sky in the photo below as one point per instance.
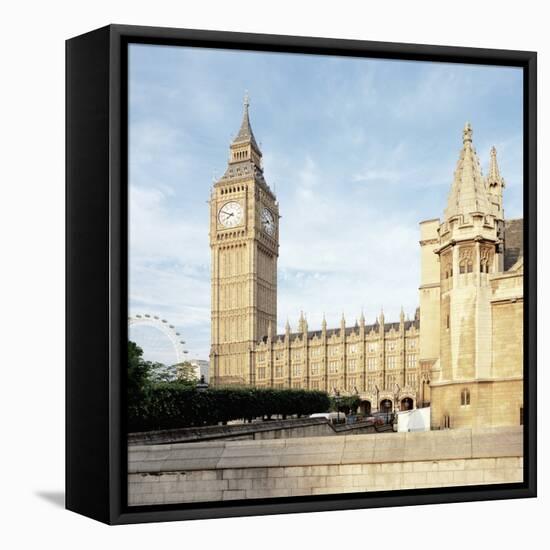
(358, 152)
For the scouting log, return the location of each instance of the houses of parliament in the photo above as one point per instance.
(462, 353)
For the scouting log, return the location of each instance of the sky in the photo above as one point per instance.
(358, 152)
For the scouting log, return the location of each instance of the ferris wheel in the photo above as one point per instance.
(171, 338)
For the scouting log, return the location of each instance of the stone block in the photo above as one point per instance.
(438, 445)
(498, 442)
(233, 495)
(389, 447)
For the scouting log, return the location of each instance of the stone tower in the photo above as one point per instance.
(244, 237)
(470, 251)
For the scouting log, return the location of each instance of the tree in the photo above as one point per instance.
(139, 376)
(185, 373)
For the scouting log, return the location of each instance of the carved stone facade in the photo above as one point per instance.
(244, 236)
(477, 374)
(378, 362)
(449, 355)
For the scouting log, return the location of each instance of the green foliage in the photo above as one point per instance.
(346, 404)
(185, 372)
(176, 405)
(139, 378)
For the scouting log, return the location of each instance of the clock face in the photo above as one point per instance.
(268, 221)
(230, 214)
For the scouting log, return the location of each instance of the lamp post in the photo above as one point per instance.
(202, 386)
(337, 400)
(395, 396)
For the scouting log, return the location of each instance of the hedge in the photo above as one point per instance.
(172, 405)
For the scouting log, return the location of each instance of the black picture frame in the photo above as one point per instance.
(96, 267)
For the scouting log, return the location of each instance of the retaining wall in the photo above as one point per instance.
(223, 470)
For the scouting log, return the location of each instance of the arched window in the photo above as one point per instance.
(469, 267)
(465, 397)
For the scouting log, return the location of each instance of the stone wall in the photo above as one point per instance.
(224, 470)
(273, 429)
(491, 403)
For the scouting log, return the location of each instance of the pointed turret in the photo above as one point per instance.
(324, 325)
(287, 328)
(381, 322)
(269, 331)
(244, 146)
(495, 184)
(362, 320)
(342, 325)
(402, 316)
(302, 323)
(468, 192)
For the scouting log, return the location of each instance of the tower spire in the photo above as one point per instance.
(468, 192)
(245, 135)
(495, 184)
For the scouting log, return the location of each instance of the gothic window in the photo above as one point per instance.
(390, 346)
(314, 385)
(315, 368)
(466, 266)
(372, 347)
(352, 364)
(278, 372)
(391, 362)
(261, 373)
(412, 344)
(411, 361)
(371, 383)
(465, 397)
(333, 366)
(296, 355)
(352, 383)
(296, 370)
(352, 348)
(335, 350)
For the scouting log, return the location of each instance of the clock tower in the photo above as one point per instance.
(244, 243)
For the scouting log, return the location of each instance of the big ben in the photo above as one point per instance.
(244, 243)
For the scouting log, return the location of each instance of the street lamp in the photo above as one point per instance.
(395, 396)
(202, 386)
(337, 400)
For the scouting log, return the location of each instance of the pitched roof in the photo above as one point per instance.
(468, 192)
(245, 133)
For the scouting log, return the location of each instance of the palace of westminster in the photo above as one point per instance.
(462, 354)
